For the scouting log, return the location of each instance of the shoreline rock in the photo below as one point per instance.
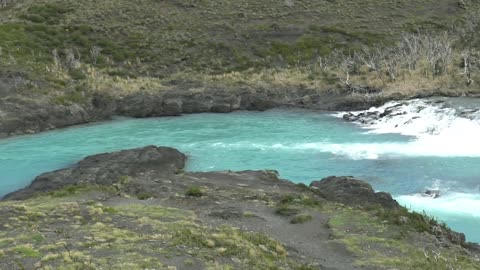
(159, 172)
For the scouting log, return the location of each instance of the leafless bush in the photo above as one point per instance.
(94, 54)
(346, 63)
(373, 59)
(470, 62)
(409, 49)
(72, 61)
(391, 63)
(56, 58)
(68, 60)
(438, 52)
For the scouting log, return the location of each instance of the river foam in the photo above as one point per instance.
(453, 203)
(437, 128)
(431, 147)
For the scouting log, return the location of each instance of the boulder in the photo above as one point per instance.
(432, 193)
(350, 191)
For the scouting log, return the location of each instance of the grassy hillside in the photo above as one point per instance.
(77, 46)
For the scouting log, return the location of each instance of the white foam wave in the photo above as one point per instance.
(359, 151)
(451, 204)
(439, 130)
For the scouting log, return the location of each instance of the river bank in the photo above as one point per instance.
(20, 114)
(141, 203)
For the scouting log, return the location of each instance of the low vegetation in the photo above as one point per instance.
(293, 204)
(195, 192)
(72, 229)
(300, 219)
(400, 245)
(89, 227)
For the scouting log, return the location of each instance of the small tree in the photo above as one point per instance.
(409, 50)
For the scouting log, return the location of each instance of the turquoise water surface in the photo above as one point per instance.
(302, 145)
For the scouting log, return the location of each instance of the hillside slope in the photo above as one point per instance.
(63, 52)
(159, 38)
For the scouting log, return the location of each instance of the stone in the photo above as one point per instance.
(353, 192)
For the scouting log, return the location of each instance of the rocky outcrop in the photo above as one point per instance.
(172, 103)
(152, 170)
(107, 169)
(20, 115)
(152, 164)
(350, 191)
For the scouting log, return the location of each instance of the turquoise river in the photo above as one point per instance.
(430, 146)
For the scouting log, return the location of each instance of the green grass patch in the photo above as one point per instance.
(26, 251)
(195, 192)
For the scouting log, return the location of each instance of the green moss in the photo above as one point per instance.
(195, 192)
(68, 191)
(35, 237)
(145, 195)
(26, 251)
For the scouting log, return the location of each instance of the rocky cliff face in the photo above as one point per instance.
(21, 115)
